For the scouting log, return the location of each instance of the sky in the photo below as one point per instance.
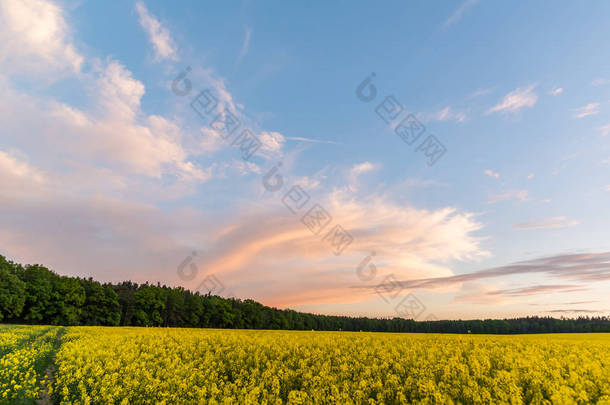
(415, 159)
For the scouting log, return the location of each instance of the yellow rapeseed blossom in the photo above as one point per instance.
(98, 365)
(24, 353)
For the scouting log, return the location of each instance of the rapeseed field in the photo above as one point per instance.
(107, 365)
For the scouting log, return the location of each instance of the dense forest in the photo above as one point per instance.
(33, 294)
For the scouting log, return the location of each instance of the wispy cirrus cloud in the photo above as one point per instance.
(605, 130)
(516, 100)
(310, 140)
(556, 91)
(586, 110)
(480, 92)
(565, 303)
(538, 289)
(584, 267)
(548, 223)
(245, 46)
(459, 13)
(475, 292)
(447, 114)
(600, 82)
(158, 35)
(520, 195)
(577, 311)
(357, 170)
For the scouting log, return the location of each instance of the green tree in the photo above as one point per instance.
(150, 303)
(193, 308)
(101, 304)
(113, 308)
(12, 291)
(68, 301)
(39, 295)
(126, 292)
(174, 313)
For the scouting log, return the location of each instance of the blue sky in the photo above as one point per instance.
(111, 174)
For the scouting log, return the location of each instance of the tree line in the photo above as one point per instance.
(33, 294)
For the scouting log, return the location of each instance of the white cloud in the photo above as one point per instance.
(515, 100)
(308, 182)
(158, 35)
(600, 82)
(556, 91)
(520, 195)
(459, 13)
(208, 141)
(448, 114)
(271, 141)
(491, 173)
(407, 242)
(358, 169)
(480, 92)
(605, 130)
(242, 167)
(530, 176)
(118, 93)
(112, 132)
(34, 38)
(309, 140)
(548, 223)
(16, 171)
(246, 45)
(207, 78)
(587, 110)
